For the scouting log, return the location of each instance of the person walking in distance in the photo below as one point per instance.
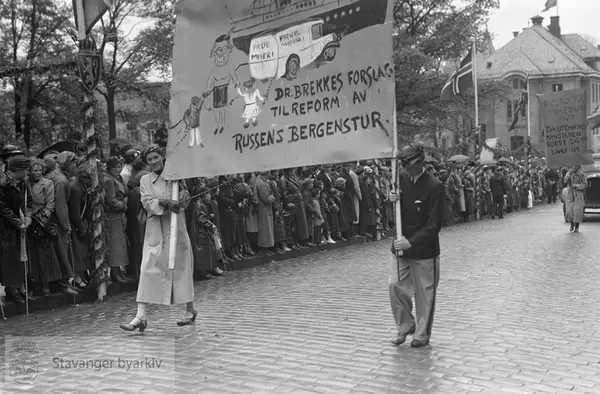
(417, 271)
(499, 189)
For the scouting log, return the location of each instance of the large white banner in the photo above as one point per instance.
(261, 85)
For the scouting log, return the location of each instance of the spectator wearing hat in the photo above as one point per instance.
(6, 153)
(50, 162)
(368, 205)
(115, 202)
(279, 233)
(499, 189)
(252, 212)
(241, 195)
(228, 218)
(66, 168)
(416, 272)
(264, 211)
(45, 268)
(307, 186)
(129, 157)
(15, 217)
(292, 186)
(80, 217)
(136, 224)
(202, 229)
(353, 192)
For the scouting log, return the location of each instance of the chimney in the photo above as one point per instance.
(537, 20)
(555, 26)
(515, 33)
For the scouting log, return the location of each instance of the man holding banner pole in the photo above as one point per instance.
(415, 264)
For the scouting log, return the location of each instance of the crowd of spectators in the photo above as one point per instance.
(45, 208)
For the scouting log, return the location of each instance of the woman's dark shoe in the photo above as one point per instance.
(79, 283)
(576, 228)
(18, 298)
(46, 291)
(250, 252)
(136, 323)
(188, 320)
(117, 276)
(219, 272)
(236, 256)
(68, 290)
(572, 226)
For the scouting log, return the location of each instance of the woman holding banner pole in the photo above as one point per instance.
(158, 283)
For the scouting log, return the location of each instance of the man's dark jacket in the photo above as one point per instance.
(422, 215)
(498, 185)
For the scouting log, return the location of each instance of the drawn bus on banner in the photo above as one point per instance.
(282, 52)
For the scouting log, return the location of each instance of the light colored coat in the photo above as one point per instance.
(158, 284)
(265, 197)
(575, 203)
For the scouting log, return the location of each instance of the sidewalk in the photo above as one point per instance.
(60, 300)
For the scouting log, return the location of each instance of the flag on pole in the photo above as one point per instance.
(93, 11)
(521, 105)
(550, 4)
(461, 80)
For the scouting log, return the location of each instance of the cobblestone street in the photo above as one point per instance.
(517, 311)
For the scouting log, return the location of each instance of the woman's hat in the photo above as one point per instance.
(112, 162)
(10, 150)
(153, 149)
(65, 157)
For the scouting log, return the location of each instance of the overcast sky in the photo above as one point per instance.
(576, 16)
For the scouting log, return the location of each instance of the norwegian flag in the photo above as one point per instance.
(460, 81)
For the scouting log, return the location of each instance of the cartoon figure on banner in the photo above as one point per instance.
(191, 118)
(251, 95)
(220, 78)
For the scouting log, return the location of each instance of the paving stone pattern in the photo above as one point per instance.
(517, 311)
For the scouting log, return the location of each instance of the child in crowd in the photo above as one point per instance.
(318, 216)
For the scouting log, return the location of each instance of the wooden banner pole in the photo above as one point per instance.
(174, 225)
(396, 184)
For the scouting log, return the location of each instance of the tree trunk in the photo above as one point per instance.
(112, 123)
(17, 113)
(28, 114)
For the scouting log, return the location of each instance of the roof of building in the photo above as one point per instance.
(580, 45)
(534, 52)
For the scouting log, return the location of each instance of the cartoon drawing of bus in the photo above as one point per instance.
(282, 52)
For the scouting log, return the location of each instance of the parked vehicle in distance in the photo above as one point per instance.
(592, 193)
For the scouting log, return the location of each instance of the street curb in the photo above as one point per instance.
(59, 300)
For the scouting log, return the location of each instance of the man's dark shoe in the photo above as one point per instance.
(417, 343)
(68, 290)
(400, 339)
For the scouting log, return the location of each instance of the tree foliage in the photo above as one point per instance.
(430, 34)
(41, 105)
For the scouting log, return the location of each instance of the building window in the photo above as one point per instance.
(516, 142)
(557, 87)
(519, 84)
(509, 110)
